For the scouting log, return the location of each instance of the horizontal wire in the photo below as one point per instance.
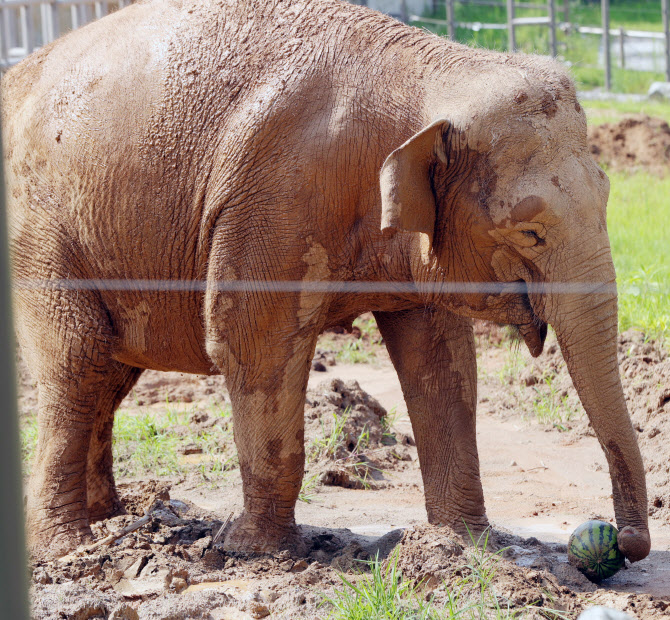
(323, 286)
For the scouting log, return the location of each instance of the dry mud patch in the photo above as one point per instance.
(637, 142)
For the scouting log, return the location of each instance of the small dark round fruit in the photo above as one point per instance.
(593, 549)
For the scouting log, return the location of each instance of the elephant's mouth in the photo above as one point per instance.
(534, 332)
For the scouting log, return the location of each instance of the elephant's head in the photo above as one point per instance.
(507, 195)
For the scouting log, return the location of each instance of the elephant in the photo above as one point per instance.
(207, 186)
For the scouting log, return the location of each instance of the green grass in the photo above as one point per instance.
(327, 444)
(28, 441)
(550, 405)
(381, 594)
(515, 362)
(599, 112)
(308, 488)
(639, 230)
(623, 81)
(353, 352)
(146, 442)
(579, 51)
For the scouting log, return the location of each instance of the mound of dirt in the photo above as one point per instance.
(635, 142)
(348, 438)
(444, 563)
(526, 576)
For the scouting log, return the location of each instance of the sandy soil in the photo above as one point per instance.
(540, 480)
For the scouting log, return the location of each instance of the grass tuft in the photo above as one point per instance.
(381, 594)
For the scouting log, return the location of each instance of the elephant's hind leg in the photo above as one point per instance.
(103, 501)
(68, 342)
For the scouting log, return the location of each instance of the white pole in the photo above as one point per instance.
(666, 31)
(510, 26)
(605, 4)
(450, 19)
(552, 28)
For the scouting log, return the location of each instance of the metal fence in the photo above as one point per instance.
(618, 43)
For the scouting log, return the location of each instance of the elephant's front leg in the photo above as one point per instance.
(266, 356)
(433, 352)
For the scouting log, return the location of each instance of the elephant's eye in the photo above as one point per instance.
(532, 235)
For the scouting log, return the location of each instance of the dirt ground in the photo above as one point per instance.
(542, 468)
(636, 142)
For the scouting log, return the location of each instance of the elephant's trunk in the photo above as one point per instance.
(586, 326)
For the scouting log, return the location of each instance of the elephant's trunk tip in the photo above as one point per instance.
(635, 544)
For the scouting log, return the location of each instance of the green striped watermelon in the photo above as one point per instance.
(593, 549)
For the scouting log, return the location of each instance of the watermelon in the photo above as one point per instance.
(593, 549)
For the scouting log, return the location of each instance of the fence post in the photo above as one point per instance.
(605, 4)
(622, 48)
(552, 28)
(510, 26)
(55, 21)
(451, 26)
(666, 31)
(403, 11)
(13, 568)
(27, 34)
(6, 43)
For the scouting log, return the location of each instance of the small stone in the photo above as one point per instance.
(213, 559)
(318, 366)
(268, 596)
(124, 612)
(199, 417)
(179, 585)
(191, 448)
(41, 576)
(299, 566)
(512, 464)
(287, 565)
(134, 570)
(258, 610)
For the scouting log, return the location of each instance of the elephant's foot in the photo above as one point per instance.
(102, 498)
(252, 535)
(471, 528)
(106, 508)
(57, 539)
(634, 543)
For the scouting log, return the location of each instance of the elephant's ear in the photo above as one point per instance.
(408, 202)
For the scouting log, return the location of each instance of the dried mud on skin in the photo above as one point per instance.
(633, 143)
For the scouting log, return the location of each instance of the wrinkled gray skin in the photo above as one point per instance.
(299, 141)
